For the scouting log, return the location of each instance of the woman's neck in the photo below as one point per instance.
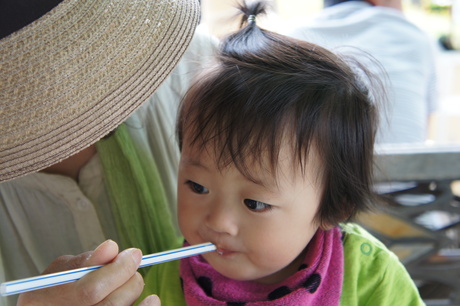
(71, 166)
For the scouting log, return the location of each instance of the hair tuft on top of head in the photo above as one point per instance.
(250, 38)
(253, 9)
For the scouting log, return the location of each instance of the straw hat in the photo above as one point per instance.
(73, 75)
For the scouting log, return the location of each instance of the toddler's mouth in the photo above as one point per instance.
(224, 252)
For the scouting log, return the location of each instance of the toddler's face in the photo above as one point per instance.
(260, 228)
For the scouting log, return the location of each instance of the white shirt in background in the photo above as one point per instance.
(405, 52)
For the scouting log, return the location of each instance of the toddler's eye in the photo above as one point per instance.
(197, 188)
(256, 205)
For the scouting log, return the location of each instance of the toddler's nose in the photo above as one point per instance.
(222, 218)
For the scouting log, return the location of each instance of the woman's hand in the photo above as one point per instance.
(117, 283)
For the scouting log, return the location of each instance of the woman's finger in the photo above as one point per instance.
(151, 300)
(102, 255)
(97, 285)
(127, 293)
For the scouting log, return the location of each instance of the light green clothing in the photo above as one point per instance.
(131, 176)
(372, 275)
(44, 216)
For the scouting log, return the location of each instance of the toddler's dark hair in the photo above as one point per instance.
(266, 88)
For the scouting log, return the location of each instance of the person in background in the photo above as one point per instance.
(73, 72)
(406, 55)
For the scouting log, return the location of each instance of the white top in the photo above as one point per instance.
(403, 50)
(44, 216)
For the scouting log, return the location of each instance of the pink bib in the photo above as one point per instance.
(318, 281)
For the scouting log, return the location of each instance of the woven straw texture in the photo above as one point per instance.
(75, 74)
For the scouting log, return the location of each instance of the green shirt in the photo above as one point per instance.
(373, 275)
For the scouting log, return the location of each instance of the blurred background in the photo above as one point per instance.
(439, 18)
(421, 184)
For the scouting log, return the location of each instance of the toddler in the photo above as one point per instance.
(276, 143)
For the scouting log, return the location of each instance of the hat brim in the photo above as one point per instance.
(76, 73)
